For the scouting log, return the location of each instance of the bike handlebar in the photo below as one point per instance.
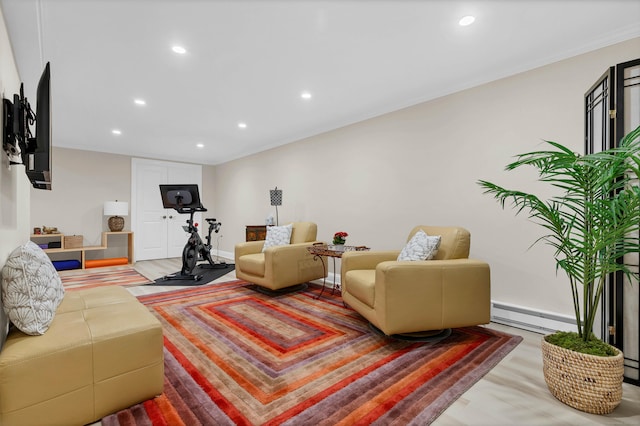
(191, 209)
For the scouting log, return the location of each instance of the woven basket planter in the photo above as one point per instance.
(586, 382)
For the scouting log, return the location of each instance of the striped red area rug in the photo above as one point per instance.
(234, 356)
(126, 276)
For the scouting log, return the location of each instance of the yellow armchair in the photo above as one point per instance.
(280, 267)
(419, 297)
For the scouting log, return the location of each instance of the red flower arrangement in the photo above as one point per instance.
(339, 237)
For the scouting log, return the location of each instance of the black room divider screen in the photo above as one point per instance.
(612, 109)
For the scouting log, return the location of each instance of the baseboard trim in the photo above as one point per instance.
(542, 322)
(224, 255)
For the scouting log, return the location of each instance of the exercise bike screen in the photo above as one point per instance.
(186, 196)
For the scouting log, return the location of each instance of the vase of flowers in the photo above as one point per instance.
(339, 238)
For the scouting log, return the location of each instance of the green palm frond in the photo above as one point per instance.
(594, 221)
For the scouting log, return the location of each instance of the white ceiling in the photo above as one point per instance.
(248, 61)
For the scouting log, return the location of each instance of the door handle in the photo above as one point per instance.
(164, 217)
(170, 217)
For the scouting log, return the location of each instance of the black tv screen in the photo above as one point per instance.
(38, 156)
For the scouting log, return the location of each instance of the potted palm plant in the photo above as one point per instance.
(592, 223)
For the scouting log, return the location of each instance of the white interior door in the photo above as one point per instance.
(158, 232)
(150, 225)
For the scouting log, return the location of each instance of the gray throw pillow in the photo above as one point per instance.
(31, 289)
(277, 236)
(420, 247)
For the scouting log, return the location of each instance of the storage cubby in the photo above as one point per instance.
(80, 253)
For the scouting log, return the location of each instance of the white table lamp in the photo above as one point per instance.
(116, 209)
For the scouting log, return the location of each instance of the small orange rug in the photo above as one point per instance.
(125, 276)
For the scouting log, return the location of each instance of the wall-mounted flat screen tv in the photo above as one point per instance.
(38, 160)
(19, 143)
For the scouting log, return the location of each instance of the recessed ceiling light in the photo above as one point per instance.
(242, 125)
(139, 101)
(305, 95)
(179, 49)
(116, 132)
(467, 20)
(200, 145)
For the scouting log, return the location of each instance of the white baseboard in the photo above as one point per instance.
(530, 319)
(224, 255)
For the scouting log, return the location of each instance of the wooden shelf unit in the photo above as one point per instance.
(82, 250)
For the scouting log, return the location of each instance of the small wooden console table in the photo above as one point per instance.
(256, 232)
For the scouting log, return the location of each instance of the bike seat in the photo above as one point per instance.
(210, 219)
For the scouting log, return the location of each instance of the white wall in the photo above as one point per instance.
(81, 182)
(14, 185)
(378, 178)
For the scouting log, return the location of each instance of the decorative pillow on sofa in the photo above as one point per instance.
(420, 247)
(31, 289)
(277, 236)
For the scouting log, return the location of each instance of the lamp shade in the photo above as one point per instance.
(276, 196)
(116, 208)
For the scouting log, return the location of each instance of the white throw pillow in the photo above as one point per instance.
(31, 289)
(277, 236)
(420, 247)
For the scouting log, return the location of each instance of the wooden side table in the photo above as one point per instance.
(321, 250)
(256, 232)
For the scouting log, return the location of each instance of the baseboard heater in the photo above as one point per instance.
(530, 319)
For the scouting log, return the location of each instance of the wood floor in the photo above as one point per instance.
(513, 393)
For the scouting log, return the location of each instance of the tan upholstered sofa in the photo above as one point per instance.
(282, 266)
(102, 352)
(399, 297)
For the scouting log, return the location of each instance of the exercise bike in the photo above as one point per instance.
(186, 200)
(195, 249)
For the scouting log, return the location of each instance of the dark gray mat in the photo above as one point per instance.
(202, 274)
